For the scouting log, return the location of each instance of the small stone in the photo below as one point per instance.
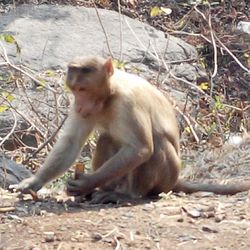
(209, 230)
(96, 237)
(219, 218)
(49, 236)
(180, 219)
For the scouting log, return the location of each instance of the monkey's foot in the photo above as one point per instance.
(105, 197)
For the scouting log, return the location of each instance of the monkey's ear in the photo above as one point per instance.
(109, 67)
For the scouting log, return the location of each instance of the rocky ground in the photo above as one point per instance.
(175, 221)
(200, 221)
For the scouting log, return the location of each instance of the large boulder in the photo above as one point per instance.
(50, 36)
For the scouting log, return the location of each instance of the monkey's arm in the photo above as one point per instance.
(125, 160)
(135, 136)
(62, 155)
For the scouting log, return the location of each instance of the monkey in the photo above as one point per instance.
(137, 153)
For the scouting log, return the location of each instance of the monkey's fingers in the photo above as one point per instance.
(33, 194)
(17, 188)
(73, 188)
(79, 187)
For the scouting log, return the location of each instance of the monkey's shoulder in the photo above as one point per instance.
(128, 80)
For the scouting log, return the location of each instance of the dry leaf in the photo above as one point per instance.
(167, 11)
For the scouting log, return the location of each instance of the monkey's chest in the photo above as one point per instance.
(110, 130)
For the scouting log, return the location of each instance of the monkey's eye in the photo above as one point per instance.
(86, 70)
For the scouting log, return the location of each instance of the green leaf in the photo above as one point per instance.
(205, 2)
(119, 64)
(9, 39)
(42, 83)
(3, 108)
(7, 96)
(10, 97)
(218, 104)
(248, 61)
(203, 86)
(188, 130)
(49, 73)
(155, 11)
(247, 56)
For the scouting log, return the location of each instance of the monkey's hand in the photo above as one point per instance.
(29, 185)
(83, 185)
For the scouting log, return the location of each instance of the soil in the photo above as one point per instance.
(198, 221)
(174, 221)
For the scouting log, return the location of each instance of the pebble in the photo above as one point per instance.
(49, 236)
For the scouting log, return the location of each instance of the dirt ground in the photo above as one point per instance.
(198, 221)
(175, 221)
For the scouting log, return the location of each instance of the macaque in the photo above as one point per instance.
(137, 153)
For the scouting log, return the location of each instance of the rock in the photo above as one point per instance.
(50, 36)
(11, 173)
(49, 236)
(244, 27)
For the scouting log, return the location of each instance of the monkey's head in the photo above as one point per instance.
(89, 80)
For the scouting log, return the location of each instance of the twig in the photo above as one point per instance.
(189, 124)
(140, 42)
(218, 121)
(231, 54)
(25, 118)
(215, 51)
(190, 84)
(30, 103)
(118, 244)
(222, 44)
(165, 64)
(12, 130)
(46, 142)
(5, 56)
(162, 59)
(191, 34)
(3, 64)
(121, 34)
(105, 33)
(198, 11)
(7, 209)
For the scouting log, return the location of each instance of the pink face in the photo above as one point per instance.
(88, 81)
(85, 103)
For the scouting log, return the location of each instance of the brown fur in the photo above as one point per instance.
(138, 151)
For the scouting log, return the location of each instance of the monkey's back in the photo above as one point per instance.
(140, 94)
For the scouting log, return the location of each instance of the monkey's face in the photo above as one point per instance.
(88, 80)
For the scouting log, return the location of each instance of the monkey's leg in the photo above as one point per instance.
(105, 149)
(159, 174)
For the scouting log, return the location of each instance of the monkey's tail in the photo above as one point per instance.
(230, 189)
